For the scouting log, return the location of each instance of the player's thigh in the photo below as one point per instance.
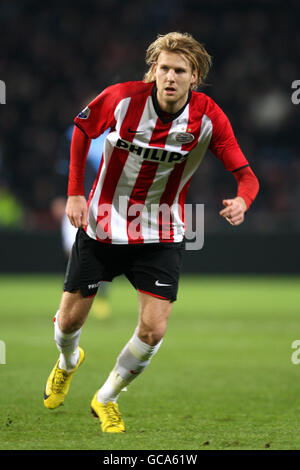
(73, 310)
(153, 317)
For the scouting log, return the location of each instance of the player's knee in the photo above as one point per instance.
(73, 311)
(151, 336)
(68, 324)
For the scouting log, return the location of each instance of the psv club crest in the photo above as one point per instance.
(184, 137)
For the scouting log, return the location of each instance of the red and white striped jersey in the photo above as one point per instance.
(148, 161)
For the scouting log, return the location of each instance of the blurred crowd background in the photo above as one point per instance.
(57, 56)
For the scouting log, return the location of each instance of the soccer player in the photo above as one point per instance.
(133, 224)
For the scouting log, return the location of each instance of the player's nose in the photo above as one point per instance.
(171, 75)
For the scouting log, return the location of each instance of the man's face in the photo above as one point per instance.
(174, 77)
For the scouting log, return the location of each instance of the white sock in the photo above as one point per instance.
(132, 361)
(67, 344)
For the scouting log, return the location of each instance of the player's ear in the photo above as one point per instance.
(193, 78)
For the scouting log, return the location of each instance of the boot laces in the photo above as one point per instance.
(113, 414)
(59, 380)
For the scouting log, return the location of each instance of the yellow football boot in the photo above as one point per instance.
(109, 415)
(58, 384)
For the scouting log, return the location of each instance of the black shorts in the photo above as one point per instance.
(151, 268)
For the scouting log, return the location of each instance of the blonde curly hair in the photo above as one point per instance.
(182, 43)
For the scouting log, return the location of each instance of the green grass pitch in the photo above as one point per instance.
(223, 378)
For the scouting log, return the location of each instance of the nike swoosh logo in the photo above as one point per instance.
(45, 395)
(134, 131)
(157, 283)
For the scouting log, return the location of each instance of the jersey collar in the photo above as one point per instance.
(161, 113)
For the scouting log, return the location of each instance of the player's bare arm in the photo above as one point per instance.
(76, 210)
(234, 211)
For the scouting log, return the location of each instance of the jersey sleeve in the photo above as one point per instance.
(223, 143)
(248, 185)
(95, 118)
(80, 145)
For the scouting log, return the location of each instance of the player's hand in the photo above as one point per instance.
(76, 210)
(234, 211)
